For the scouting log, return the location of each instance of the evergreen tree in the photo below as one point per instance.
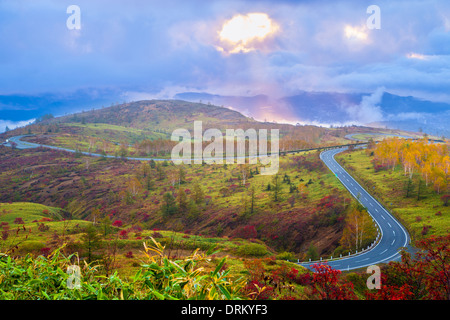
(181, 175)
(106, 226)
(160, 171)
(169, 206)
(199, 195)
(312, 253)
(252, 200)
(276, 187)
(182, 201)
(91, 241)
(409, 187)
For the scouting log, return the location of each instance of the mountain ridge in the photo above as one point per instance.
(378, 109)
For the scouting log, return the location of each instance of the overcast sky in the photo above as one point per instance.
(172, 46)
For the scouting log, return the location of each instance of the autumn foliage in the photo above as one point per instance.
(430, 160)
(326, 285)
(424, 277)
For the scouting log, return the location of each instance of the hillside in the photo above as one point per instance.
(144, 128)
(158, 114)
(211, 200)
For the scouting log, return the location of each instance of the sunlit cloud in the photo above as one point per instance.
(413, 55)
(245, 33)
(356, 33)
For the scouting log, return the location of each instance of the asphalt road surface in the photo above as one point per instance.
(28, 145)
(392, 235)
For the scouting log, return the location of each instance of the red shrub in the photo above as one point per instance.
(123, 234)
(157, 235)
(258, 291)
(19, 221)
(45, 251)
(246, 232)
(117, 223)
(425, 230)
(445, 199)
(325, 284)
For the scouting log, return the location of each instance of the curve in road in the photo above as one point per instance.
(393, 235)
(19, 144)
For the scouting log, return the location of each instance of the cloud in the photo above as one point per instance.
(13, 124)
(413, 55)
(408, 116)
(245, 33)
(368, 110)
(356, 33)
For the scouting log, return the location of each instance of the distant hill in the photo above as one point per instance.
(156, 119)
(135, 122)
(379, 109)
(159, 114)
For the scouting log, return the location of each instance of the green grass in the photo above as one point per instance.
(218, 175)
(27, 236)
(32, 240)
(114, 134)
(389, 188)
(27, 211)
(97, 130)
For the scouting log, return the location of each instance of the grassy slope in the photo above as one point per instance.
(34, 177)
(178, 245)
(389, 188)
(164, 115)
(32, 214)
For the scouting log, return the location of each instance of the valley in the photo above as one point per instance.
(104, 208)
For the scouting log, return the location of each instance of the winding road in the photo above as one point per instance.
(392, 235)
(19, 144)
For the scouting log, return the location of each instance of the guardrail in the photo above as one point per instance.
(322, 148)
(341, 256)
